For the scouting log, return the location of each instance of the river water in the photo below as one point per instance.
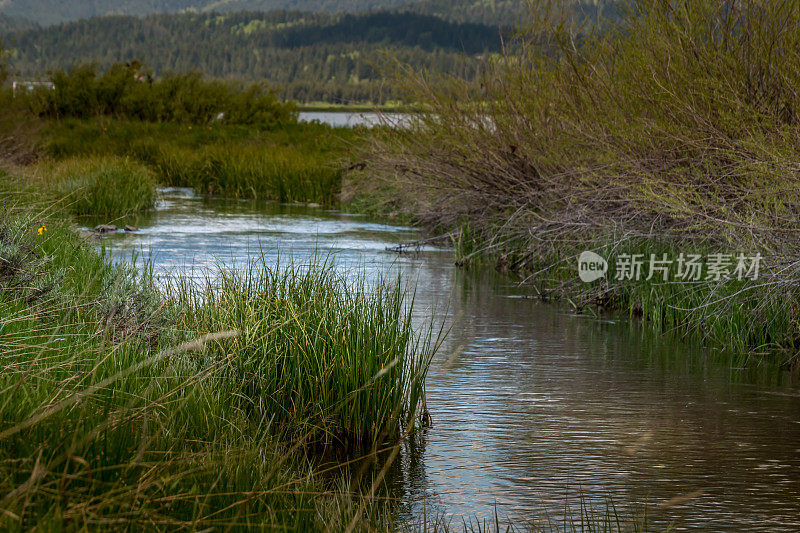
(532, 405)
(350, 119)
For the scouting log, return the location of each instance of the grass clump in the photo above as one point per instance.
(321, 357)
(282, 173)
(676, 125)
(97, 186)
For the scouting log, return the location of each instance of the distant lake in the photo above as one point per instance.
(350, 119)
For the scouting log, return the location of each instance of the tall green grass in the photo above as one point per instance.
(753, 321)
(122, 406)
(283, 173)
(295, 163)
(98, 186)
(320, 356)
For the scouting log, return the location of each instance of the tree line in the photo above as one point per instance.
(306, 56)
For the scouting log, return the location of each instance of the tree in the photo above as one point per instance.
(4, 69)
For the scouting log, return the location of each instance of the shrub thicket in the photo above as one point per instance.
(129, 90)
(679, 123)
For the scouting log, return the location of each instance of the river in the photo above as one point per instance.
(532, 405)
(350, 119)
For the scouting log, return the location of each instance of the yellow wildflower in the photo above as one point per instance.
(41, 230)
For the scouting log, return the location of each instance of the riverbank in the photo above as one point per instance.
(563, 149)
(289, 163)
(388, 107)
(219, 138)
(211, 399)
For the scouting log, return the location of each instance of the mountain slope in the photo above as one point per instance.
(54, 11)
(310, 56)
(10, 24)
(493, 12)
(508, 13)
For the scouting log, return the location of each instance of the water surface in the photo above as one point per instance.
(531, 404)
(349, 119)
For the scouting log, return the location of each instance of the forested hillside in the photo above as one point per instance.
(309, 56)
(493, 12)
(55, 11)
(508, 13)
(11, 24)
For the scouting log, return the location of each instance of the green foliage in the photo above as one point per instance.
(4, 69)
(311, 57)
(106, 187)
(295, 163)
(492, 12)
(326, 359)
(118, 421)
(11, 24)
(129, 91)
(55, 11)
(510, 13)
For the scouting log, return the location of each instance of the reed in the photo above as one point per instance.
(747, 322)
(282, 173)
(295, 163)
(98, 186)
(322, 356)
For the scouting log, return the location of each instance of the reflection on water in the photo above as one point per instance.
(530, 403)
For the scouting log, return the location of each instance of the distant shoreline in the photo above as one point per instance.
(353, 108)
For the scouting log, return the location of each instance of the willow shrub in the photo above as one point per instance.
(677, 121)
(130, 91)
(680, 115)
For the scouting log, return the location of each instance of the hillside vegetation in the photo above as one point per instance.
(11, 24)
(55, 11)
(309, 56)
(509, 13)
(494, 12)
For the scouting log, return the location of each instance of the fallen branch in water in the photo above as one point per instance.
(416, 245)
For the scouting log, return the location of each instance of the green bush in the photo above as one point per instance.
(129, 90)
